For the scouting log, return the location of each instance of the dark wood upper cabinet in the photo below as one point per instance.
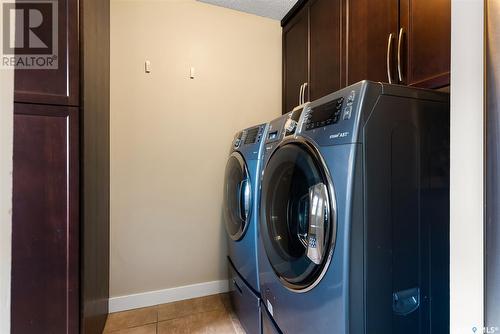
(312, 52)
(397, 41)
(325, 44)
(45, 229)
(60, 86)
(425, 39)
(295, 58)
(371, 40)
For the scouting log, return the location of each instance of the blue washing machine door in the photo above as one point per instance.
(237, 196)
(298, 214)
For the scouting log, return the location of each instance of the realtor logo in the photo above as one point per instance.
(29, 34)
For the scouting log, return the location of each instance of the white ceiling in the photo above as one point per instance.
(274, 9)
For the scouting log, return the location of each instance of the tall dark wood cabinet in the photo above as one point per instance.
(60, 232)
(399, 41)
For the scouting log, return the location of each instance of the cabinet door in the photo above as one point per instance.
(295, 58)
(325, 48)
(45, 220)
(54, 86)
(370, 24)
(425, 42)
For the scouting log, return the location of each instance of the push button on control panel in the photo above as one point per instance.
(347, 112)
(351, 97)
(348, 108)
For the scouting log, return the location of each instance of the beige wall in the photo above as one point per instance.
(170, 135)
(6, 114)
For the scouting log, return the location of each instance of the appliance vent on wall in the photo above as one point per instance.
(252, 135)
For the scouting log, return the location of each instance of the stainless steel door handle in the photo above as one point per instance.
(318, 214)
(389, 48)
(400, 39)
(244, 199)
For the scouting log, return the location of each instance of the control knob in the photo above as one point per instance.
(237, 143)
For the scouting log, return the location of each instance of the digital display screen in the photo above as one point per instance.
(327, 111)
(273, 135)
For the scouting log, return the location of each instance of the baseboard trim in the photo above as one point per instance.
(151, 298)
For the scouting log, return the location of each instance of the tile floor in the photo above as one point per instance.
(211, 314)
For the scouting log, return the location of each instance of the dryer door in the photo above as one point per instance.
(298, 215)
(237, 196)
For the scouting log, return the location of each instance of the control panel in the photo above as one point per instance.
(253, 135)
(248, 141)
(332, 119)
(249, 136)
(280, 128)
(323, 115)
(329, 113)
(349, 105)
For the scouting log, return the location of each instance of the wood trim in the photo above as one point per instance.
(344, 31)
(74, 243)
(283, 71)
(307, 93)
(95, 159)
(439, 81)
(293, 20)
(74, 52)
(44, 99)
(292, 12)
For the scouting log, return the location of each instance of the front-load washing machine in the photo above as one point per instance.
(354, 227)
(241, 198)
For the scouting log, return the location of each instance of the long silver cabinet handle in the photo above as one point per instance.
(389, 48)
(300, 94)
(400, 39)
(304, 93)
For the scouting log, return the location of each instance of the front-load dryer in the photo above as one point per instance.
(241, 198)
(354, 227)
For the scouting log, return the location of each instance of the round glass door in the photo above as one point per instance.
(297, 215)
(237, 194)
